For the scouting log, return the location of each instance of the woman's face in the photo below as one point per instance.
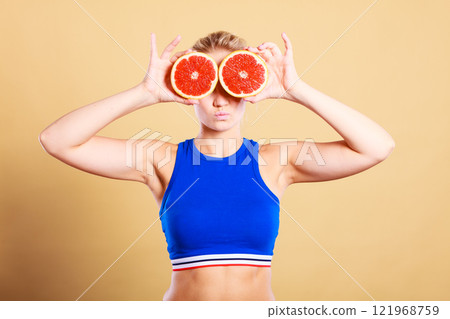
(220, 101)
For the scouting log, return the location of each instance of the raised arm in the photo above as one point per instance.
(365, 143)
(73, 140)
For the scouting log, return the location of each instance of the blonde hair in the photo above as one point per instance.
(219, 40)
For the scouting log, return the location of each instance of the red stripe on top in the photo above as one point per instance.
(220, 265)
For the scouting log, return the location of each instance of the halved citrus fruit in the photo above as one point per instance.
(194, 75)
(243, 73)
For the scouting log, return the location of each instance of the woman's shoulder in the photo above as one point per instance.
(273, 166)
(279, 153)
(269, 152)
(269, 148)
(278, 147)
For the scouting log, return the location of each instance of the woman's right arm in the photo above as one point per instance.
(72, 138)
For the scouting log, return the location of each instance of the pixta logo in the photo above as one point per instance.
(308, 151)
(140, 150)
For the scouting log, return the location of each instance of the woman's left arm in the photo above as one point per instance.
(365, 143)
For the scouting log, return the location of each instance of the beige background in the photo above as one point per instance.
(61, 228)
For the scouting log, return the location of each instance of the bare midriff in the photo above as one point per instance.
(221, 283)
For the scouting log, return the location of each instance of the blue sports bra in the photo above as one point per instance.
(217, 211)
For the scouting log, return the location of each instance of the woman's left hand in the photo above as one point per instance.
(282, 73)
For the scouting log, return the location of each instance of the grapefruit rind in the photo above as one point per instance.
(258, 59)
(213, 83)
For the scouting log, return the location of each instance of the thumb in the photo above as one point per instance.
(252, 99)
(186, 101)
(192, 101)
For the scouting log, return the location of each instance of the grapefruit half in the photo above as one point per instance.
(243, 73)
(194, 75)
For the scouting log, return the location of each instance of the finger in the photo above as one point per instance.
(252, 49)
(153, 49)
(177, 98)
(288, 45)
(263, 54)
(173, 97)
(266, 54)
(170, 47)
(272, 47)
(180, 54)
(176, 56)
(252, 99)
(248, 99)
(186, 101)
(192, 101)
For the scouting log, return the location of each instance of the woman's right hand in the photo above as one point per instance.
(157, 78)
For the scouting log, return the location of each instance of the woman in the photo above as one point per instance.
(219, 213)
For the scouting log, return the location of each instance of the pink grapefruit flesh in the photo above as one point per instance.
(243, 73)
(194, 75)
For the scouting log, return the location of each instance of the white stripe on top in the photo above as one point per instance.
(221, 259)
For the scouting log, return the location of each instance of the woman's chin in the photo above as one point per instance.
(220, 126)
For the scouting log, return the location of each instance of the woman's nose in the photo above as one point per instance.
(221, 97)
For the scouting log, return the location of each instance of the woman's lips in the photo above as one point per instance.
(222, 115)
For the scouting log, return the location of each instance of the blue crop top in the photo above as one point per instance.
(217, 211)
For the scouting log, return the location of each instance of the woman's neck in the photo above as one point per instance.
(218, 144)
